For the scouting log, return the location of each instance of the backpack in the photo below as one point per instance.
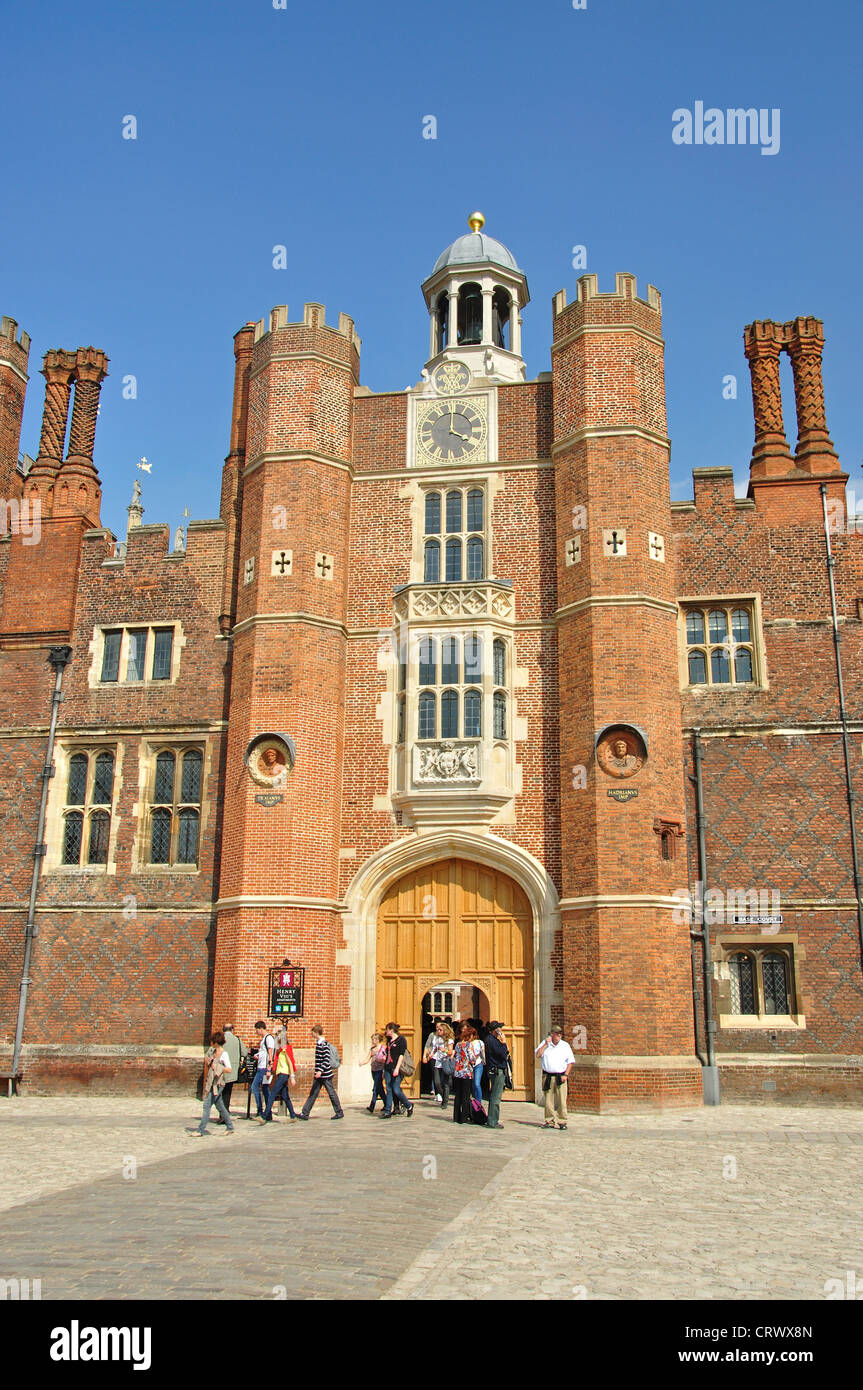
(335, 1059)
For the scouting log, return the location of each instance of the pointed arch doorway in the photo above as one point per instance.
(456, 920)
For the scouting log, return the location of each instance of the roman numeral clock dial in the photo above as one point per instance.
(449, 431)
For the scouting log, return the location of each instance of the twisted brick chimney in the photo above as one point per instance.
(783, 485)
(57, 369)
(76, 489)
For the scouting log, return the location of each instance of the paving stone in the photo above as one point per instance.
(626, 1209)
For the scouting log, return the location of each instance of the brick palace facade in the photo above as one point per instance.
(450, 694)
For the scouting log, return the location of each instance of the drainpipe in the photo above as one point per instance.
(59, 658)
(710, 1073)
(843, 716)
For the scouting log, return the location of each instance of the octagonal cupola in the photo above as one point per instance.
(474, 297)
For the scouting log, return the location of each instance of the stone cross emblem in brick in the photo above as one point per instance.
(282, 562)
(614, 542)
(324, 566)
(656, 545)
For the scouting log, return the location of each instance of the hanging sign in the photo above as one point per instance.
(286, 991)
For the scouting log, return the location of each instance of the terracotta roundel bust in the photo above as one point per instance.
(620, 753)
(269, 764)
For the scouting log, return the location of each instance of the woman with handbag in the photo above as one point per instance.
(282, 1077)
(439, 1051)
(377, 1056)
(217, 1069)
(467, 1054)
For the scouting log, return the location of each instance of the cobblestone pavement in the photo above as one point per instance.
(737, 1202)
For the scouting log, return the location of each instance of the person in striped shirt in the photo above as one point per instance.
(324, 1070)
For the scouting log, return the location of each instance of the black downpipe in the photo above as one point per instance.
(843, 716)
(59, 658)
(710, 1073)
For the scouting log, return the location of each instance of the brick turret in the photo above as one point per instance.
(232, 491)
(626, 965)
(279, 874)
(14, 355)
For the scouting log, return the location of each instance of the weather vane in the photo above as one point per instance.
(144, 466)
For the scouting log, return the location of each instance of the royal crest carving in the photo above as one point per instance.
(446, 762)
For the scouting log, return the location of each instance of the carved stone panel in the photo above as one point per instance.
(447, 763)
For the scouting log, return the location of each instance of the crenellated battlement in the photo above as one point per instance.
(625, 287)
(314, 316)
(14, 346)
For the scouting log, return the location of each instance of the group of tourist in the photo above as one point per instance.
(458, 1064)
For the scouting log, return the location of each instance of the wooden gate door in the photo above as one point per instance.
(456, 920)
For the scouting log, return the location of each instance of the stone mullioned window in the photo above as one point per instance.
(721, 644)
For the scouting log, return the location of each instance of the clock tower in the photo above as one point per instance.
(474, 297)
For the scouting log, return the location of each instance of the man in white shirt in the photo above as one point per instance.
(557, 1059)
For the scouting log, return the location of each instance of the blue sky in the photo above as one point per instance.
(303, 127)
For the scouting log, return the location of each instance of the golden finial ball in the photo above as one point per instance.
(476, 221)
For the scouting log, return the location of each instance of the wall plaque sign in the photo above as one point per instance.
(286, 991)
(622, 793)
(268, 798)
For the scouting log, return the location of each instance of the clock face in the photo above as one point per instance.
(451, 430)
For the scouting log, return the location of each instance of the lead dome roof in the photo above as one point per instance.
(473, 247)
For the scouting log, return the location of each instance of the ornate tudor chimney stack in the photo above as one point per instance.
(63, 499)
(785, 487)
(77, 490)
(57, 369)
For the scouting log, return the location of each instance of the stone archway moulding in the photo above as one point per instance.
(363, 899)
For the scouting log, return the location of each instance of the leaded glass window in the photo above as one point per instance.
(449, 661)
(472, 714)
(428, 661)
(774, 967)
(427, 712)
(163, 648)
(474, 557)
(161, 836)
(499, 656)
(453, 561)
(431, 573)
(77, 792)
(720, 645)
(111, 655)
(499, 707)
(175, 808)
(432, 522)
(87, 827)
(472, 658)
(742, 984)
(137, 654)
(449, 714)
(760, 982)
(73, 830)
(100, 830)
